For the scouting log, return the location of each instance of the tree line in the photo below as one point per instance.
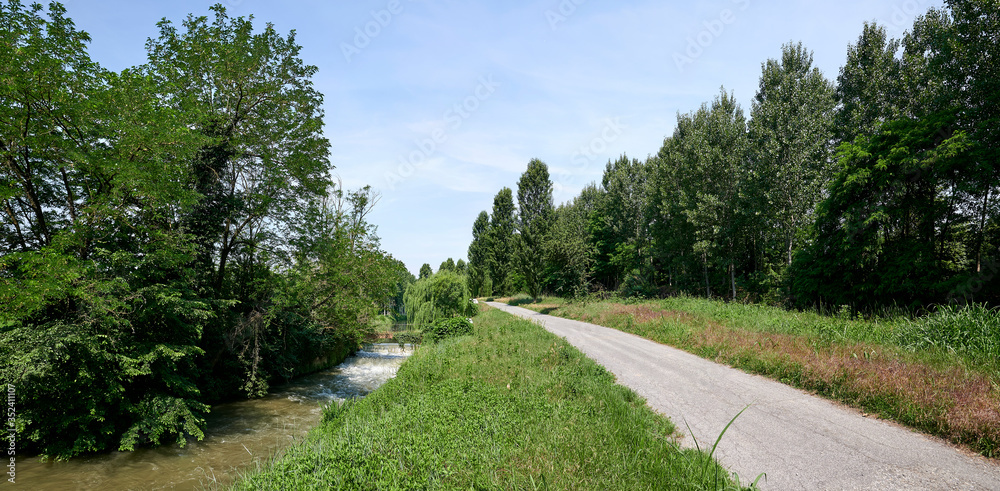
(170, 235)
(877, 189)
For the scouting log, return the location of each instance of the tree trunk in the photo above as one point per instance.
(732, 277)
(704, 262)
(982, 225)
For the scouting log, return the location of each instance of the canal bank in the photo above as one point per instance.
(239, 434)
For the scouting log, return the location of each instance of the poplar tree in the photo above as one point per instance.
(535, 211)
(791, 136)
(501, 242)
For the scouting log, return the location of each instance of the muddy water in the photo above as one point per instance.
(238, 434)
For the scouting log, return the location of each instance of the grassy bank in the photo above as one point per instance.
(510, 407)
(939, 374)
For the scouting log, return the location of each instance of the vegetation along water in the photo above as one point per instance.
(509, 406)
(238, 435)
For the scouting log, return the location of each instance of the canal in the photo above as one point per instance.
(239, 434)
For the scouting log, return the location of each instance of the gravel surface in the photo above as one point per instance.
(799, 441)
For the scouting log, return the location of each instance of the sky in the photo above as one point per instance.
(440, 104)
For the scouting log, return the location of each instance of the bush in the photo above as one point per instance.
(408, 337)
(446, 328)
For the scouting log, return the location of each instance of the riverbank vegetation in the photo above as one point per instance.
(937, 373)
(878, 189)
(170, 235)
(510, 406)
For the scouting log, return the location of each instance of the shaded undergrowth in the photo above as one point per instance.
(509, 407)
(937, 373)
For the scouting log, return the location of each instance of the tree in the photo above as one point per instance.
(461, 267)
(791, 135)
(448, 265)
(501, 242)
(535, 211)
(714, 182)
(673, 236)
(480, 257)
(886, 233)
(252, 95)
(568, 252)
(869, 86)
(425, 271)
(967, 57)
(441, 296)
(100, 317)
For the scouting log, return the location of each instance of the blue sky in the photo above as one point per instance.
(439, 104)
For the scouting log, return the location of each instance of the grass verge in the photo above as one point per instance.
(872, 365)
(510, 407)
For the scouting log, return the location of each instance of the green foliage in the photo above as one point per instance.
(448, 265)
(480, 257)
(447, 328)
(568, 255)
(425, 271)
(905, 215)
(870, 85)
(168, 236)
(441, 296)
(534, 201)
(501, 243)
(790, 133)
(891, 218)
(619, 227)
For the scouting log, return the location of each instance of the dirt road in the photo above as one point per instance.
(798, 440)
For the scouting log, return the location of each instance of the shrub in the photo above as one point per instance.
(446, 328)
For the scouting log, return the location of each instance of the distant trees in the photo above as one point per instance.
(568, 252)
(448, 265)
(879, 189)
(425, 271)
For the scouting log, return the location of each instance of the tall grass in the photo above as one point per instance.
(971, 331)
(512, 407)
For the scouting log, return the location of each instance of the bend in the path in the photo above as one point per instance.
(799, 440)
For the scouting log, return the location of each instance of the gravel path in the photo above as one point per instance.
(798, 440)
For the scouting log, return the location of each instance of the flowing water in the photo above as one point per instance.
(238, 434)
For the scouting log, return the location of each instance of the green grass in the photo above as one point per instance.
(509, 407)
(938, 373)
